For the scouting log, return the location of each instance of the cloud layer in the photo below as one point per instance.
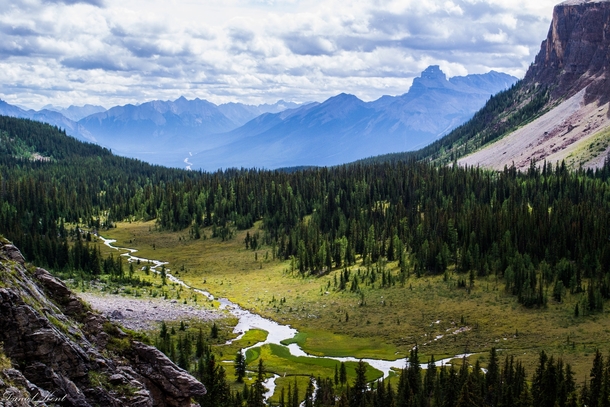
(113, 52)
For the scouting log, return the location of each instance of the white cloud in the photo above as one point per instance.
(124, 51)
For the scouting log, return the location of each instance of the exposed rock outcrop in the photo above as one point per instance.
(60, 349)
(572, 73)
(575, 53)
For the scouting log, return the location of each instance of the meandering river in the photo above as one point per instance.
(277, 332)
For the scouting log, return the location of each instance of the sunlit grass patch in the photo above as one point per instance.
(323, 343)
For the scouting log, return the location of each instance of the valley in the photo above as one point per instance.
(385, 261)
(432, 312)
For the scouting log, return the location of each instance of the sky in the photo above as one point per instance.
(114, 52)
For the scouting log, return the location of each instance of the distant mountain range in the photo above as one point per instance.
(52, 117)
(200, 134)
(344, 128)
(76, 113)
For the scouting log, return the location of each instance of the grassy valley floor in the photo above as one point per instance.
(433, 312)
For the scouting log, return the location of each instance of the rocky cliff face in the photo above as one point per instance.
(576, 51)
(60, 350)
(560, 111)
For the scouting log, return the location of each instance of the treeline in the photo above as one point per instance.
(544, 230)
(82, 260)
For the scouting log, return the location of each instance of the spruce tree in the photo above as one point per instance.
(257, 394)
(596, 382)
(492, 379)
(240, 366)
(342, 374)
(469, 395)
(359, 389)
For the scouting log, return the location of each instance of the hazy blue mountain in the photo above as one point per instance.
(158, 131)
(165, 132)
(345, 128)
(240, 113)
(48, 116)
(76, 113)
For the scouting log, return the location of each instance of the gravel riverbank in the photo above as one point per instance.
(145, 313)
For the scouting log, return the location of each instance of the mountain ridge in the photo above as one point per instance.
(344, 128)
(572, 125)
(199, 134)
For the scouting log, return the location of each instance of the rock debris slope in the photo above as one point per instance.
(60, 349)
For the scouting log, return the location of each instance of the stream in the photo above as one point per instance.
(277, 332)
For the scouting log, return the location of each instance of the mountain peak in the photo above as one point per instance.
(342, 98)
(344, 95)
(568, 86)
(431, 77)
(433, 72)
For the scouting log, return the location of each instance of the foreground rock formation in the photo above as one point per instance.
(57, 351)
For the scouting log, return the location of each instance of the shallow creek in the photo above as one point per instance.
(277, 332)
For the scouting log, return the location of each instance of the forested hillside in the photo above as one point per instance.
(546, 226)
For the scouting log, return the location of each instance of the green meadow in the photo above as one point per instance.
(432, 312)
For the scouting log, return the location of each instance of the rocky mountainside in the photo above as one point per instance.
(572, 70)
(576, 52)
(55, 348)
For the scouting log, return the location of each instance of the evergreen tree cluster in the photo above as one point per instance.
(193, 353)
(501, 384)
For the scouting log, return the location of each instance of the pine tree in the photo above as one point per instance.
(597, 377)
(336, 375)
(430, 379)
(492, 379)
(343, 374)
(257, 394)
(469, 395)
(414, 373)
(359, 389)
(282, 402)
(538, 379)
(295, 395)
(200, 346)
(309, 394)
(240, 366)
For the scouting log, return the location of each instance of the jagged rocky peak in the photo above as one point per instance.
(55, 348)
(431, 78)
(433, 72)
(575, 52)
